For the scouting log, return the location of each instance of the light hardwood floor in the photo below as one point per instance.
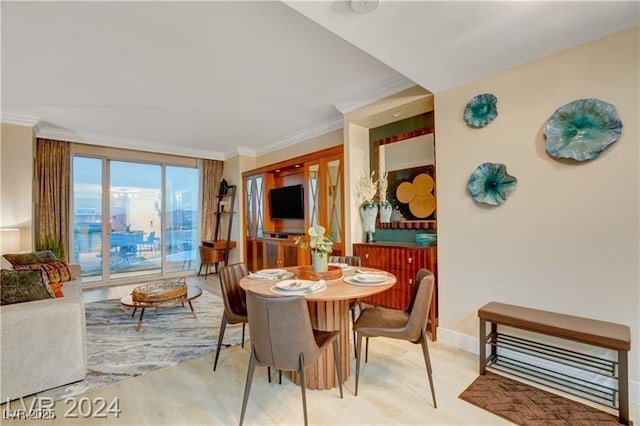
(393, 391)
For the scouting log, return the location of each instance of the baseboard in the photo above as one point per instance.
(471, 344)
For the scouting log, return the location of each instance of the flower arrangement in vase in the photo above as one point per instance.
(385, 205)
(367, 189)
(320, 246)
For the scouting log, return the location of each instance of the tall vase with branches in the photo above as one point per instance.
(367, 189)
(385, 205)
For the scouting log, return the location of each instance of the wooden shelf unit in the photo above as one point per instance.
(321, 174)
(403, 260)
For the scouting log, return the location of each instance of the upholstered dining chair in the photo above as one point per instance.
(409, 324)
(282, 337)
(234, 298)
(353, 304)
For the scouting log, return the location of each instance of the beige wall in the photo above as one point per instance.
(567, 238)
(17, 147)
(315, 144)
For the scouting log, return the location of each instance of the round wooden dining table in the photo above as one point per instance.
(329, 311)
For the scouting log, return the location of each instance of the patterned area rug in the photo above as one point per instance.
(526, 405)
(168, 336)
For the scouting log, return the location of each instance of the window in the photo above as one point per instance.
(152, 225)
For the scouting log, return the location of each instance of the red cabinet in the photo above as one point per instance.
(402, 260)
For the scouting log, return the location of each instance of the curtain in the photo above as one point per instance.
(211, 177)
(53, 170)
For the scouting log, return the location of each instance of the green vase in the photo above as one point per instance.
(319, 261)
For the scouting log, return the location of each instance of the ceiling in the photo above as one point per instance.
(211, 79)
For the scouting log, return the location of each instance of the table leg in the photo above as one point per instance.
(140, 320)
(134, 312)
(328, 316)
(194, 312)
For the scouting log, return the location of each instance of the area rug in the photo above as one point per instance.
(168, 336)
(523, 404)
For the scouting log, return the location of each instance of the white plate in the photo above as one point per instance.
(343, 266)
(294, 285)
(271, 271)
(266, 277)
(351, 280)
(304, 292)
(369, 278)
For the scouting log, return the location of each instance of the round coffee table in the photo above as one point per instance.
(161, 295)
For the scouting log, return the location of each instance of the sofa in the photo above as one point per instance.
(42, 342)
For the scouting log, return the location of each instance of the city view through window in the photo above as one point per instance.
(148, 230)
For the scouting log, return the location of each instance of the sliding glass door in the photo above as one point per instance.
(152, 225)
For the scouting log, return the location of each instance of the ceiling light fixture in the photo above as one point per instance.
(397, 114)
(364, 6)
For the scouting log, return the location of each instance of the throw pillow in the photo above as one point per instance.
(22, 285)
(44, 256)
(58, 271)
(19, 259)
(45, 278)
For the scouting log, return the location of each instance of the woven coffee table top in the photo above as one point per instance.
(160, 291)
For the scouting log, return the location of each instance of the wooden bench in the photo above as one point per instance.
(611, 336)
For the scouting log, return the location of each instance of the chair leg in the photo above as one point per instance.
(336, 357)
(269, 374)
(242, 345)
(303, 386)
(247, 386)
(427, 361)
(358, 356)
(279, 377)
(223, 325)
(200, 270)
(353, 321)
(366, 352)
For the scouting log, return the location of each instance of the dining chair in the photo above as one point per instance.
(353, 304)
(282, 337)
(409, 324)
(207, 258)
(234, 299)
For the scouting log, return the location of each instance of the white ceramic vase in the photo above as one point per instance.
(369, 212)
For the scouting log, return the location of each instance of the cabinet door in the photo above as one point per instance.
(370, 256)
(288, 254)
(271, 251)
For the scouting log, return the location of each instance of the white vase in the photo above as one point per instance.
(368, 212)
(385, 211)
(319, 262)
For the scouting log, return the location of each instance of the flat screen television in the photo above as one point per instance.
(287, 202)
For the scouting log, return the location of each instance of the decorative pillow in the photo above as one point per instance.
(45, 278)
(22, 285)
(45, 256)
(19, 259)
(57, 271)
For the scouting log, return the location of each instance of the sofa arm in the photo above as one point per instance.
(75, 271)
(43, 345)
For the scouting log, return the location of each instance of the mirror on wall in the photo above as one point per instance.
(410, 167)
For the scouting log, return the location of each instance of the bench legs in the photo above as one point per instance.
(483, 344)
(623, 387)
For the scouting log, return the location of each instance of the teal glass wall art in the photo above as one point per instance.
(481, 110)
(582, 129)
(491, 184)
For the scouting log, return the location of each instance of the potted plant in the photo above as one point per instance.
(320, 246)
(367, 188)
(385, 205)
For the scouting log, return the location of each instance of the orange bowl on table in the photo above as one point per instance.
(305, 272)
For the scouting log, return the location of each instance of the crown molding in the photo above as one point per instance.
(125, 143)
(240, 150)
(385, 88)
(303, 135)
(20, 119)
